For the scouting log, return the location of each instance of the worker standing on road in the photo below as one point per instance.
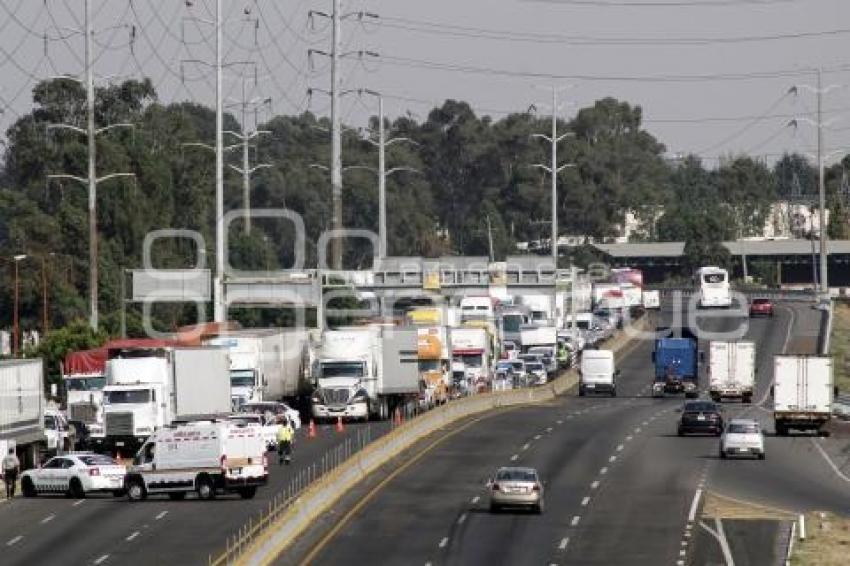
(285, 435)
(11, 466)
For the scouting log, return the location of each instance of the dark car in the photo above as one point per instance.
(761, 307)
(701, 417)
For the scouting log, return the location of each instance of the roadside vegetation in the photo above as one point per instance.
(840, 346)
(827, 541)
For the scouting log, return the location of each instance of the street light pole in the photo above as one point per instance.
(824, 284)
(16, 331)
(219, 308)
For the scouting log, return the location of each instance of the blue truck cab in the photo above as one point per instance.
(676, 362)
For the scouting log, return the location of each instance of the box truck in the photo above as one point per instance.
(731, 370)
(802, 392)
(365, 371)
(149, 388)
(22, 407)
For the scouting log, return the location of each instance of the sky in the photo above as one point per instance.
(712, 76)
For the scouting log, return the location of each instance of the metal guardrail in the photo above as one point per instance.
(841, 407)
(773, 294)
(308, 495)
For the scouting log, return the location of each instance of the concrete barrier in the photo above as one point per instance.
(264, 546)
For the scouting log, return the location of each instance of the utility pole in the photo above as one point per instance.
(91, 180)
(219, 307)
(553, 169)
(245, 136)
(335, 55)
(490, 238)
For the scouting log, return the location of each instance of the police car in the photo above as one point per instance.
(75, 475)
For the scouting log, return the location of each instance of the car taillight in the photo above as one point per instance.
(265, 462)
(94, 472)
(223, 461)
(536, 487)
(495, 487)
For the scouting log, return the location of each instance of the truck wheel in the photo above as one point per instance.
(747, 399)
(248, 492)
(613, 393)
(177, 495)
(136, 490)
(75, 489)
(781, 430)
(205, 488)
(824, 433)
(580, 391)
(28, 488)
(722, 454)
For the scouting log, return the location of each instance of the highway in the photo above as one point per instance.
(620, 485)
(103, 530)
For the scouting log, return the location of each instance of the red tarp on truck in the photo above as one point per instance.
(93, 362)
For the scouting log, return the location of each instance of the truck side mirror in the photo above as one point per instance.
(653, 357)
(702, 357)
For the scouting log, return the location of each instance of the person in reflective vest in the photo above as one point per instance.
(285, 435)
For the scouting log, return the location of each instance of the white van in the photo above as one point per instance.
(598, 373)
(205, 457)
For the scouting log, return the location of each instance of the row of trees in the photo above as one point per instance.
(474, 175)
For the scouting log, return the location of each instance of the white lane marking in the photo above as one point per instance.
(48, 519)
(14, 541)
(791, 320)
(564, 542)
(575, 520)
(461, 519)
(476, 499)
(79, 502)
(692, 514)
(612, 459)
(720, 537)
(161, 515)
(603, 471)
(514, 457)
(829, 461)
(525, 446)
(629, 438)
(536, 437)
(594, 485)
(637, 429)
(444, 542)
(683, 553)
(620, 448)
(585, 501)
(102, 559)
(132, 536)
(549, 429)
(644, 423)
(560, 422)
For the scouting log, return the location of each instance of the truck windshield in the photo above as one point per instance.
(714, 278)
(342, 369)
(429, 365)
(85, 383)
(511, 322)
(470, 360)
(131, 396)
(242, 378)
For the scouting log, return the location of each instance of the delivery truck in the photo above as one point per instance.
(366, 371)
(22, 407)
(149, 388)
(803, 391)
(731, 370)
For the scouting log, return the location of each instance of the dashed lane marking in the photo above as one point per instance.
(536, 437)
(629, 438)
(575, 520)
(526, 446)
(48, 519)
(444, 542)
(514, 457)
(461, 519)
(133, 535)
(78, 502)
(564, 542)
(603, 471)
(585, 501)
(102, 559)
(161, 515)
(620, 448)
(594, 485)
(612, 459)
(14, 541)
(476, 499)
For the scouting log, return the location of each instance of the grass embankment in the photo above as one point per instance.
(840, 345)
(827, 541)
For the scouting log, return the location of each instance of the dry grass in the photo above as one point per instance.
(827, 541)
(840, 345)
(723, 507)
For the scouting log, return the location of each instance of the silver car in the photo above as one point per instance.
(742, 437)
(516, 487)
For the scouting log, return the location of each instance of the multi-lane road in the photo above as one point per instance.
(102, 530)
(620, 484)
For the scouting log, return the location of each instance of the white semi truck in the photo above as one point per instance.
(802, 392)
(731, 370)
(265, 363)
(22, 408)
(148, 389)
(365, 371)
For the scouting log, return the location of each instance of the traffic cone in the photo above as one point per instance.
(118, 458)
(397, 418)
(339, 426)
(311, 432)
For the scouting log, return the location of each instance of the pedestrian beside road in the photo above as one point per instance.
(11, 467)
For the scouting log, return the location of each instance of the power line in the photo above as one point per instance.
(441, 28)
(662, 4)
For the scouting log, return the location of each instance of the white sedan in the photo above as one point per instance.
(742, 437)
(75, 475)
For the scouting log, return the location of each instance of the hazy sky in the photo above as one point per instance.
(636, 50)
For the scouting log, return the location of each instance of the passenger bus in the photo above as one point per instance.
(712, 284)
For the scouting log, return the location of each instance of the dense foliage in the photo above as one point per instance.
(474, 172)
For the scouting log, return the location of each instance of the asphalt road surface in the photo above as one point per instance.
(53, 530)
(620, 485)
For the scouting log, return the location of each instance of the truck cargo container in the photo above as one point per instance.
(676, 363)
(803, 391)
(731, 370)
(22, 407)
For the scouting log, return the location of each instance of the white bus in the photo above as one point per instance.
(712, 284)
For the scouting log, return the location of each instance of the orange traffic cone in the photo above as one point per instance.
(339, 426)
(397, 418)
(311, 432)
(118, 458)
